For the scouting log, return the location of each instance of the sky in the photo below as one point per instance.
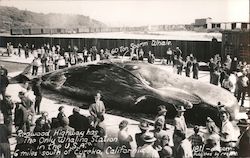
(142, 12)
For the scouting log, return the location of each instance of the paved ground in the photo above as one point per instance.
(16, 61)
(51, 105)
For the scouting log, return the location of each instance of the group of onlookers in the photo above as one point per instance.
(174, 57)
(50, 58)
(189, 65)
(212, 141)
(26, 109)
(152, 142)
(56, 58)
(232, 75)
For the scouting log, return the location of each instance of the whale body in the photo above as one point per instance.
(141, 87)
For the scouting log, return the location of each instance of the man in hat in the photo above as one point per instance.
(243, 85)
(161, 114)
(61, 115)
(36, 87)
(195, 69)
(21, 118)
(4, 141)
(4, 81)
(147, 150)
(6, 106)
(179, 125)
(244, 138)
(227, 130)
(188, 66)
(3, 70)
(151, 57)
(248, 115)
(196, 139)
(162, 137)
(124, 139)
(65, 125)
(212, 138)
(61, 62)
(179, 120)
(184, 148)
(178, 52)
(46, 122)
(28, 104)
(77, 121)
(144, 127)
(180, 65)
(66, 128)
(26, 100)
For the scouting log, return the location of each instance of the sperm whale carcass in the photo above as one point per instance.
(140, 88)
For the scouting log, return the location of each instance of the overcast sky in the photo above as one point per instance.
(142, 12)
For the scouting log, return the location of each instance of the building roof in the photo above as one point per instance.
(164, 35)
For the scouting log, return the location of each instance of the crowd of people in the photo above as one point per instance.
(175, 57)
(215, 141)
(151, 143)
(154, 142)
(232, 75)
(50, 58)
(24, 113)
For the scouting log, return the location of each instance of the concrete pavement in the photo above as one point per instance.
(51, 106)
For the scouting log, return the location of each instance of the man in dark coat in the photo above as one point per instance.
(151, 58)
(21, 118)
(243, 85)
(4, 81)
(38, 93)
(26, 50)
(77, 121)
(180, 64)
(216, 77)
(244, 138)
(178, 52)
(61, 115)
(211, 66)
(188, 66)
(144, 127)
(3, 70)
(6, 107)
(195, 69)
(4, 141)
(19, 49)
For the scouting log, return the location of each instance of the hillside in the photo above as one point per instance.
(11, 17)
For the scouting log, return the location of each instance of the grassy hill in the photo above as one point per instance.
(11, 17)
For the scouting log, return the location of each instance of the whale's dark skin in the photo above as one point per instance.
(140, 88)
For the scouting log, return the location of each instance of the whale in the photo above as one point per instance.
(139, 87)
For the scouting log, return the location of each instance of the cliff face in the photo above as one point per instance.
(11, 17)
